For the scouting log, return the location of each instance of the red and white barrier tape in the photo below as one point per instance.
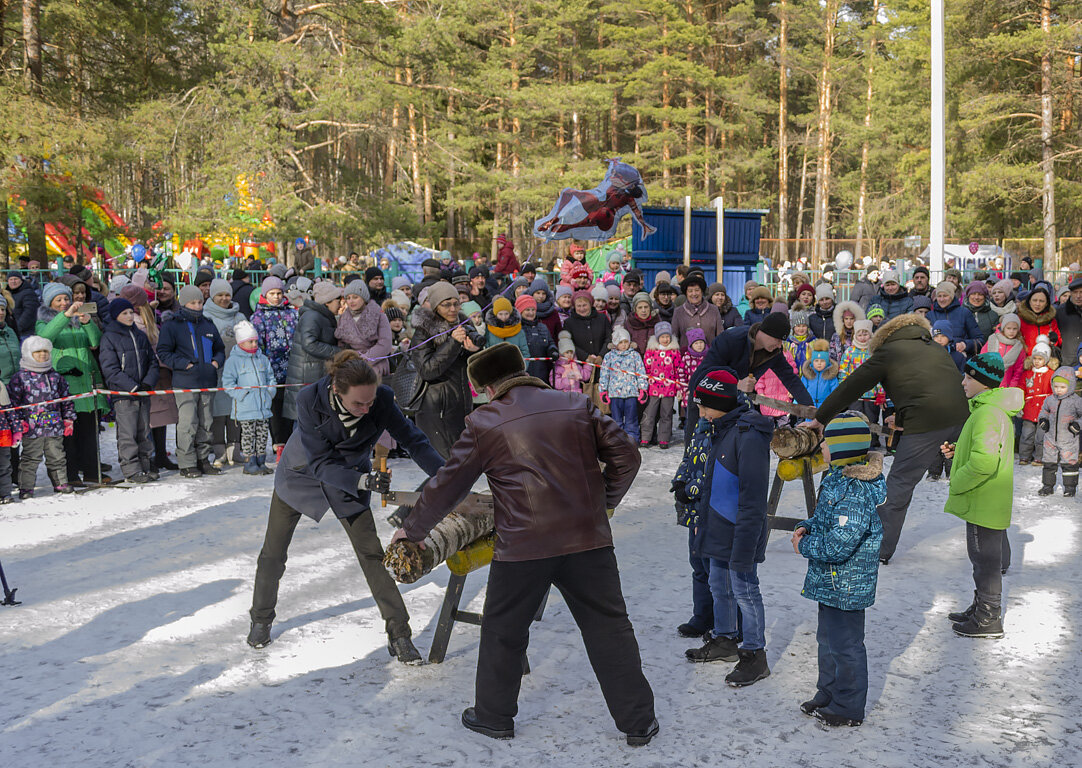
(151, 393)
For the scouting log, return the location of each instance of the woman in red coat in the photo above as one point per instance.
(1038, 316)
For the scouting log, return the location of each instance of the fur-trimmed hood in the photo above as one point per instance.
(1027, 315)
(869, 470)
(890, 327)
(839, 310)
(653, 343)
(830, 372)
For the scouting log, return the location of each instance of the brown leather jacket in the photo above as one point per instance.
(542, 451)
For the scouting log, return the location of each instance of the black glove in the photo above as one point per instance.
(1073, 428)
(73, 372)
(377, 482)
(1043, 423)
(144, 388)
(678, 492)
(1053, 337)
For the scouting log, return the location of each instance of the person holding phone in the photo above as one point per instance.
(74, 336)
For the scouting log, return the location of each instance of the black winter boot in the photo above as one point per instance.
(1048, 480)
(690, 630)
(985, 622)
(959, 616)
(750, 669)
(259, 635)
(1070, 479)
(718, 648)
(403, 649)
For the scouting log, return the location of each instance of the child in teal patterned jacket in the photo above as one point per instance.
(841, 542)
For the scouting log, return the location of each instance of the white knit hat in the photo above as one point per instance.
(599, 293)
(244, 331)
(564, 342)
(619, 333)
(824, 291)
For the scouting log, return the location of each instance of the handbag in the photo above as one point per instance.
(409, 387)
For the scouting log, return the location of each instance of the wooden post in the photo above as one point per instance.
(687, 230)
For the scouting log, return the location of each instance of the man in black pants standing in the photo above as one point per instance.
(551, 497)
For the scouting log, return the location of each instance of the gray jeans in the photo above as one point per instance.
(650, 416)
(1031, 442)
(56, 466)
(133, 444)
(915, 453)
(193, 428)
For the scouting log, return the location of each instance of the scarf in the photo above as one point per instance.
(500, 330)
(349, 421)
(1006, 309)
(1015, 345)
(30, 364)
(546, 307)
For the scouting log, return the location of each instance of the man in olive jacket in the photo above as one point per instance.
(929, 406)
(540, 449)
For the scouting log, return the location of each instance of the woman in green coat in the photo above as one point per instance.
(9, 345)
(74, 336)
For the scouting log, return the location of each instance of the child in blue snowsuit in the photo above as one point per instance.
(841, 542)
(623, 382)
(248, 367)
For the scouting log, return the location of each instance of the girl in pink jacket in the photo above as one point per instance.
(769, 385)
(567, 375)
(1007, 341)
(663, 363)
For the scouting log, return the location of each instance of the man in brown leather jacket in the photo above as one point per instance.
(542, 451)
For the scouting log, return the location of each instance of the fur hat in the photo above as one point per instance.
(50, 291)
(761, 292)
(620, 333)
(324, 292)
(244, 331)
(188, 294)
(202, 277)
(693, 279)
(564, 342)
(494, 363)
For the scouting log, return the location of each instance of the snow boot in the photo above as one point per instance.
(263, 468)
(153, 474)
(252, 466)
(259, 635)
(1048, 480)
(139, 478)
(403, 649)
(469, 719)
(63, 488)
(812, 704)
(690, 629)
(191, 472)
(835, 721)
(751, 668)
(1070, 479)
(26, 494)
(643, 737)
(208, 468)
(717, 648)
(6, 500)
(985, 622)
(960, 616)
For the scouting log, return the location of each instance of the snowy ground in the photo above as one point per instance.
(129, 647)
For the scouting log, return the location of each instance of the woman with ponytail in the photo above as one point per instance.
(326, 464)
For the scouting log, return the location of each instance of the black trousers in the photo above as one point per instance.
(280, 427)
(361, 530)
(81, 448)
(590, 585)
(990, 553)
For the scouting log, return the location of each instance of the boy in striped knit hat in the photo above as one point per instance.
(841, 542)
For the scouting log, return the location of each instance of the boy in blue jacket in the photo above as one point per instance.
(128, 364)
(248, 367)
(189, 344)
(841, 542)
(732, 529)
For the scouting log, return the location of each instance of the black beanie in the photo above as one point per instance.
(717, 390)
(372, 273)
(776, 324)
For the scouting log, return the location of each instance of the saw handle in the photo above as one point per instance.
(382, 468)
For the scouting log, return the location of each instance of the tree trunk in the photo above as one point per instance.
(666, 124)
(392, 146)
(1048, 182)
(32, 46)
(415, 156)
(783, 129)
(803, 191)
(862, 198)
(822, 170)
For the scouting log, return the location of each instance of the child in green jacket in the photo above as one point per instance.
(982, 489)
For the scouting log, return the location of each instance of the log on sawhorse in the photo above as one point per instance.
(806, 477)
(450, 614)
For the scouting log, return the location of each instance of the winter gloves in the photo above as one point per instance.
(377, 482)
(678, 490)
(1043, 423)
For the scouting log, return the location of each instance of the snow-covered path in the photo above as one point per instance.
(129, 648)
